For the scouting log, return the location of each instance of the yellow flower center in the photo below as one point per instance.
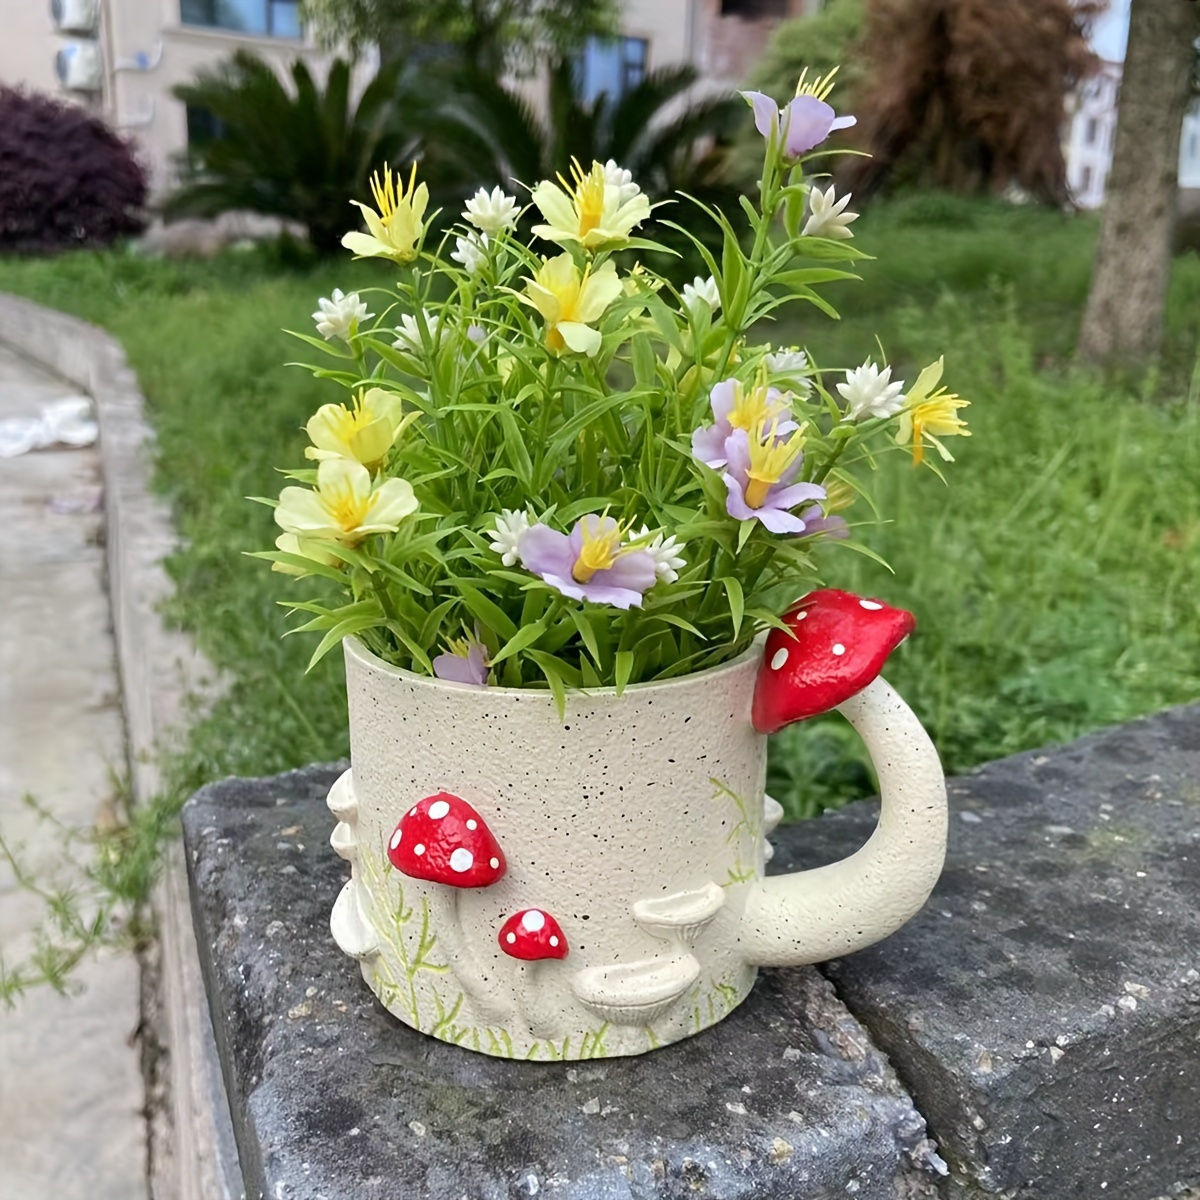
(389, 192)
(601, 548)
(752, 410)
(588, 195)
(820, 87)
(347, 509)
(769, 460)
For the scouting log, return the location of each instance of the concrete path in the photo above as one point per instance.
(71, 1092)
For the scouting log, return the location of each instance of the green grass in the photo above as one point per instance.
(1054, 580)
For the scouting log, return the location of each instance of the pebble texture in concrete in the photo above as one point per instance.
(1044, 1008)
(70, 1084)
(332, 1097)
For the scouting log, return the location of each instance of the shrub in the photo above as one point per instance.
(66, 179)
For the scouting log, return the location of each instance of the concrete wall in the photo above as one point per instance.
(136, 99)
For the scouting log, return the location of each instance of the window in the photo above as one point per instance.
(1086, 180)
(270, 18)
(1093, 127)
(610, 65)
(753, 10)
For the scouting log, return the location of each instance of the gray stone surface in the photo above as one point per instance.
(1044, 1008)
(70, 1084)
(333, 1097)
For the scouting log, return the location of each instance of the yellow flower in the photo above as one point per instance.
(318, 552)
(344, 507)
(396, 228)
(364, 433)
(595, 209)
(570, 302)
(929, 415)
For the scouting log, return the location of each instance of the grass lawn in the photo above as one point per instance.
(1055, 580)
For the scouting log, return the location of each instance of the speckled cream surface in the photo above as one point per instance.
(636, 822)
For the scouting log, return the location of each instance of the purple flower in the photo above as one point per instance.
(832, 526)
(733, 408)
(806, 121)
(759, 480)
(589, 563)
(465, 661)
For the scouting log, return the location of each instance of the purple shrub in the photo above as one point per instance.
(66, 179)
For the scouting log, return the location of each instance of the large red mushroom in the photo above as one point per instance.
(835, 645)
(443, 839)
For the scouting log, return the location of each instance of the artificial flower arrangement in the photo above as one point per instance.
(552, 470)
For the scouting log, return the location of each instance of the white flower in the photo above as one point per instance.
(477, 334)
(665, 552)
(827, 217)
(701, 291)
(509, 527)
(790, 365)
(492, 213)
(340, 315)
(408, 332)
(621, 179)
(471, 251)
(868, 391)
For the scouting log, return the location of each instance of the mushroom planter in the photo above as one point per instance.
(540, 886)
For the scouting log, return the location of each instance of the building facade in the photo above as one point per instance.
(121, 58)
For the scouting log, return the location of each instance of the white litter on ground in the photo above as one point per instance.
(66, 422)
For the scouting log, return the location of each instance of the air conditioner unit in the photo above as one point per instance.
(74, 16)
(78, 67)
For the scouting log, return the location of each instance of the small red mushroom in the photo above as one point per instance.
(532, 934)
(444, 840)
(837, 644)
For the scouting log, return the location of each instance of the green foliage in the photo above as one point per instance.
(486, 132)
(493, 37)
(299, 153)
(1035, 623)
(818, 43)
(577, 421)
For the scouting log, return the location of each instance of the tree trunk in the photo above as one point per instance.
(1124, 315)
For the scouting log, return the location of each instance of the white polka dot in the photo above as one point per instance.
(554, 941)
(438, 809)
(396, 838)
(779, 658)
(512, 937)
(461, 860)
(533, 920)
(419, 848)
(802, 614)
(472, 824)
(838, 648)
(412, 812)
(870, 605)
(495, 862)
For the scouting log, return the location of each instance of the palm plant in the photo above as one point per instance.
(297, 153)
(491, 133)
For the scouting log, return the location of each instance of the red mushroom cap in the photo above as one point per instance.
(532, 934)
(444, 840)
(837, 644)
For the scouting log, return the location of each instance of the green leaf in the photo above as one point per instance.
(523, 638)
(623, 669)
(737, 601)
(588, 634)
(484, 609)
(342, 629)
(809, 275)
(645, 362)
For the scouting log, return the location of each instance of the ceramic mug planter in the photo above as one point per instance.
(536, 886)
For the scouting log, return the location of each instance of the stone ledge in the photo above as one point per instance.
(159, 669)
(1044, 1008)
(333, 1097)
